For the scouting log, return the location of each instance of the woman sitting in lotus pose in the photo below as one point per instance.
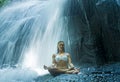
(61, 62)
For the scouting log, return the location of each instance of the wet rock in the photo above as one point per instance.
(106, 73)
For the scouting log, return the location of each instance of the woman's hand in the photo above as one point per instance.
(54, 66)
(45, 67)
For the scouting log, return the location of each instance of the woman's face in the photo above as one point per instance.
(61, 46)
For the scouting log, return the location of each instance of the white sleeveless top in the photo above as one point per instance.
(63, 57)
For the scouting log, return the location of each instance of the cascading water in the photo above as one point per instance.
(29, 33)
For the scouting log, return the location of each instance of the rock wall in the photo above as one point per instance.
(94, 31)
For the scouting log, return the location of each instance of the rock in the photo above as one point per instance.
(83, 76)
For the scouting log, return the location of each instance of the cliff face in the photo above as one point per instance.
(94, 31)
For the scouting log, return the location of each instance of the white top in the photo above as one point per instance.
(62, 57)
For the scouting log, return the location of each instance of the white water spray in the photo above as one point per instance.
(30, 30)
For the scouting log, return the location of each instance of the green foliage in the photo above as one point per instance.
(2, 2)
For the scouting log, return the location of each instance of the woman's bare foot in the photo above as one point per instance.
(76, 71)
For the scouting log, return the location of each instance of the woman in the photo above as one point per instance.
(61, 62)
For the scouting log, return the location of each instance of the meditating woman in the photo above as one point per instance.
(61, 62)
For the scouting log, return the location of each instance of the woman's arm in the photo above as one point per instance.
(53, 60)
(71, 66)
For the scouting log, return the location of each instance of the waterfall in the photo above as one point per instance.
(29, 32)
